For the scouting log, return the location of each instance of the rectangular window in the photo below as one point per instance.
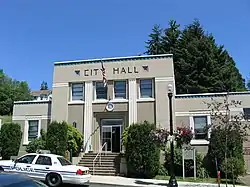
(33, 129)
(246, 112)
(146, 88)
(77, 92)
(200, 127)
(101, 91)
(120, 89)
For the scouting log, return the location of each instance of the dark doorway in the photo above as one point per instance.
(116, 139)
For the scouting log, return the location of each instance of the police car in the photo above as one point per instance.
(50, 168)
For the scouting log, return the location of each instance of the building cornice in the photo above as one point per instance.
(32, 102)
(115, 59)
(208, 95)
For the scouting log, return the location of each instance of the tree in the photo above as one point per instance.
(10, 139)
(56, 139)
(75, 140)
(44, 86)
(154, 44)
(11, 90)
(200, 65)
(228, 132)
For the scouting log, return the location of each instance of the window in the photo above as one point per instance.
(43, 96)
(200, 127)
(28, 159)
(44, 160)
(120, 89)
(63, 161)
(146, 88)
(77, 92)
(33, 129)
(246, 113)
(101, 91)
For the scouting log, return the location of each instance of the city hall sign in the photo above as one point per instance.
(120, 70)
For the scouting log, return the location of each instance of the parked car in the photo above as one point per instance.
(50, 168)
(15, 180)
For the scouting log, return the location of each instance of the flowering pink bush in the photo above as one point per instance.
(183, 135)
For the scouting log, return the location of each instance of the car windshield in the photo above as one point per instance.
(63, 161)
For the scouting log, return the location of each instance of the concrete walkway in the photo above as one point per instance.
(114, 180)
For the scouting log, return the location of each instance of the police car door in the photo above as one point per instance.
(42, 166)
(23, 164)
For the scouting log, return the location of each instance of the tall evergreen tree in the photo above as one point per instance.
(154, 44)
(200, 64)
(44, 86)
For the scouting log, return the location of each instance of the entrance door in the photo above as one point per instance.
(111, 134)
(116, 139)
(107, 137)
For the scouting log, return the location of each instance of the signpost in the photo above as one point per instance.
(188, 153)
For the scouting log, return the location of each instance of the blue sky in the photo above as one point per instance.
(34, 34)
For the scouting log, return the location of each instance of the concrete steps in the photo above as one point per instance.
(108, 165)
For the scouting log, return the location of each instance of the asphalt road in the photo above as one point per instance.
(92, 185)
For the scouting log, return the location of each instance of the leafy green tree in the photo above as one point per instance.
(10, 139)
(57, 138)
(200, 65)
(11, 90)
(44, 86)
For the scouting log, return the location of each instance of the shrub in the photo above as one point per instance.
(10, 139)
(234, 167)
(36, 144)
(189, 164)
(75, 140)
(142, 153)
(56, 140)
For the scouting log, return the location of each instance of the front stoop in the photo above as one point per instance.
(108, 165)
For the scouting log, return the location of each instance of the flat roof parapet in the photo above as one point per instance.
(115, 59)
(32, 102)
(202, 95)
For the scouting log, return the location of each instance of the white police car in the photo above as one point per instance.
(53, 169)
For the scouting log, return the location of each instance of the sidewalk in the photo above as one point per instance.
(114, 180)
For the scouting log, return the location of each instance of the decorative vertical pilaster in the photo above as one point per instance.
(88, 114)
(132, 87)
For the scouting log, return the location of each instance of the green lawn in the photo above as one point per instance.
(6, 119)
(191, 179)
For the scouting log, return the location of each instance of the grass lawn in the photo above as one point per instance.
(6, 119)
(191, 179)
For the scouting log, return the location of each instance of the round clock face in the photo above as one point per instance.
(110, 106)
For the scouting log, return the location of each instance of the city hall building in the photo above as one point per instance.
(136, 90)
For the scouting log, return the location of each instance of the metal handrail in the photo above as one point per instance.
(99, 154)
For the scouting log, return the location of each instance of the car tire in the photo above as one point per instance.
(53, 179)
(1, 169)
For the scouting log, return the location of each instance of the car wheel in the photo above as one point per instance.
(53, 179)
(1, 169)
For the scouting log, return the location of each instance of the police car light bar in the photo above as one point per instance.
(39, 151)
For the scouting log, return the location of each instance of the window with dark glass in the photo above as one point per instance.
(63, 161)
(28, 159)
(33, 129)
(101, 91)
(200, 127)
(246, 112)
(77, 92)
(120, 89)
(146, 88)
(44, 160)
